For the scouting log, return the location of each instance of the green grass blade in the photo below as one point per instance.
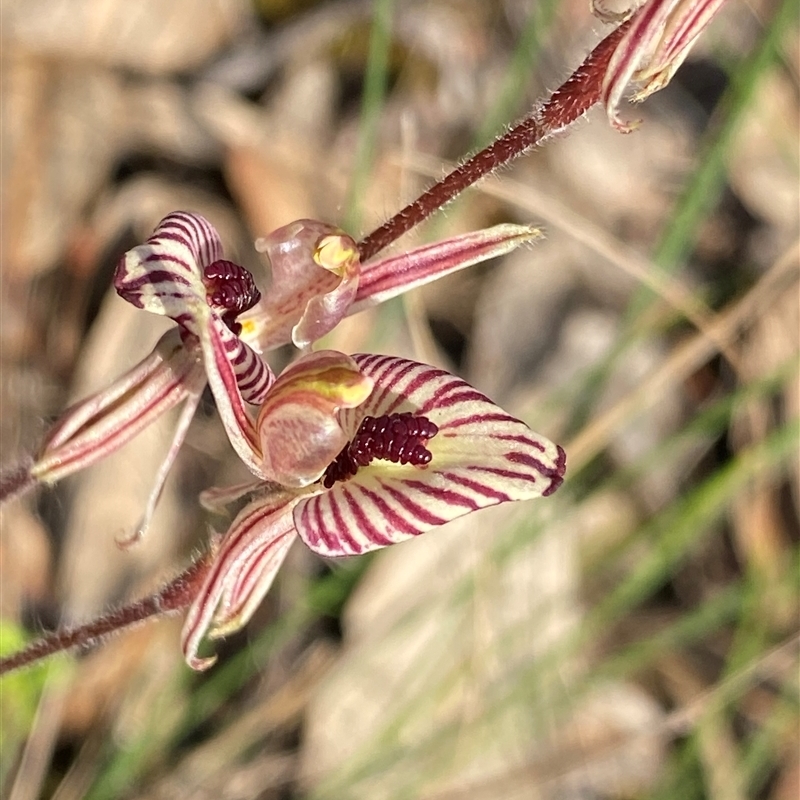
(375, 82)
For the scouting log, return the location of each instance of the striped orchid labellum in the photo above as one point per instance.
(365, 451)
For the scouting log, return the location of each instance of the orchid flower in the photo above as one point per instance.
(180, 273)
(374, 450)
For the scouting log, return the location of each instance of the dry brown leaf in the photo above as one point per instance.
(418, 659)
(62, 129)
(521, 308)
(160, 119)
(146, 36)
(268, 191)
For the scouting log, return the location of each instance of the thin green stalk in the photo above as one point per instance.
(706, 183)
(681, 526)
(375, 81)
(770, 745)
(518, 75)
(689, 629)
(683, 777)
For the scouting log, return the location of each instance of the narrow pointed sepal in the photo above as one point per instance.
(391, 276)
(687, 20)
(243, 569)
(104, 422)
(480, 456)
(657, 40)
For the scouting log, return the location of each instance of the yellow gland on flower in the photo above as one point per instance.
(336, 252)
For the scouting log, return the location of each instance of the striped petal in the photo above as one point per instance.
(109, 419)
(165, 274)
(391, 276)
(659, 37)
(244, 567)
(169, 275)
(634, 47)
(481, 456)
(104, 422)
(315, 271)
(686, 22)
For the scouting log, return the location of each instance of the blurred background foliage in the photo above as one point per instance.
(636, 635)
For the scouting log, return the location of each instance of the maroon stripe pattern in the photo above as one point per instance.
(244, 567)
(166, 276)
(480, 456)
(105, 421)
(395, 274)
(656, 41)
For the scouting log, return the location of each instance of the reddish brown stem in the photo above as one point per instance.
(566, 105)
(172, 597)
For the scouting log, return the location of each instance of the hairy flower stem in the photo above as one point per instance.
(566, 105)
(172, 597)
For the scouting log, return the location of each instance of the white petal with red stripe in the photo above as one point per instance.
(481, 456)
(165, 276)
(244, 567)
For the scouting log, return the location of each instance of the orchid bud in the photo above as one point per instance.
(660, 35)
